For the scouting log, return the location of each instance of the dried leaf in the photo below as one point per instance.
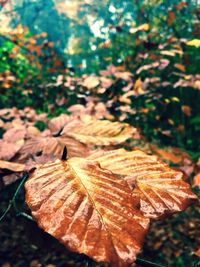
(57, 124)
(99, 132)
(180, 6)
(11, 178)
(9, 150)
(186, 110)
(197, 252)
(143, 27)
(169, 156)
(88, 209)
(11, 166)
(194, 42)
(138, 87)
(171, 18)
(91, 82)
(180, 67)
(125, 75)
(54, 146)
(159, 188)
(196, 180)
(15, 134)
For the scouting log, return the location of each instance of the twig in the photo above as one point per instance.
(12, 201)
(149, 263)
(25, 215)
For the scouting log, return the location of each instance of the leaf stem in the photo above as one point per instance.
(12, 201)
(149, 263)
(25, 215)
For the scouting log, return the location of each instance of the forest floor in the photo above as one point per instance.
(171, 242)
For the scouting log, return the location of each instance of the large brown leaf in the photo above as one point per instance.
(159, 189)
(99, 132)
(88, 209)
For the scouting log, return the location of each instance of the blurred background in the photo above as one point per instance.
(140, 59)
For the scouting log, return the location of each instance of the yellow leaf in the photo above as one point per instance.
(144, 27)
(194, 42)
(138, 87)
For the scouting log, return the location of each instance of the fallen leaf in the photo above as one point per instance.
(186, 110)
(11, 166)
(88, 209)
(54, 146)
(181, 5)
(180, 67)
(171, 18)
(196, 180)
(138, 89)
(159, 189)
(91, 82)
(166, 155)
(99, 132)
(9, 150)
(57, 124)
(194, 42)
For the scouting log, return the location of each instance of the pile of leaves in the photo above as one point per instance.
(86, 190)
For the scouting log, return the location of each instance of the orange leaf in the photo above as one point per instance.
(180, 6)
(180, 67)
(167, 155)
(88, 209)
(171, 18)
(138, 87)
(186, 110)
(196, 180)
(159, 189)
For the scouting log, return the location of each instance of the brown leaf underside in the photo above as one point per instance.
(88, 209)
